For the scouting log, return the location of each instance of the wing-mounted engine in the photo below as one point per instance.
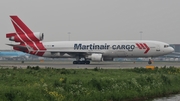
(21, 37)
(95, 57)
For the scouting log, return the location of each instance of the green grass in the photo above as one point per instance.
(49, 84)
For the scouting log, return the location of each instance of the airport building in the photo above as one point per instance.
(176, 47)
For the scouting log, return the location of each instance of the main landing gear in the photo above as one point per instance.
(81, 62)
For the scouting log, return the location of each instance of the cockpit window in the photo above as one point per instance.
(165, 46)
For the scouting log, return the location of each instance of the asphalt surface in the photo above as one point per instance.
(69, 65)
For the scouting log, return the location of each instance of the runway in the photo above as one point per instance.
(69, 65)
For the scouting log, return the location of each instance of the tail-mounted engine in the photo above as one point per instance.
(20, 37)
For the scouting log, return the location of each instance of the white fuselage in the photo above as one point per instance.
(30, 42)
(123, 48)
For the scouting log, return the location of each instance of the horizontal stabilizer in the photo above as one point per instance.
(18, 46)
(25, 47)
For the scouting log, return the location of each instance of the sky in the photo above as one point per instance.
(62, 20)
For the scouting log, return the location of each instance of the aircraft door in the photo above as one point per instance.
(158, 48)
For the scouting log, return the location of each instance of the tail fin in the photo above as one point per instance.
(19, 26)
(30, 42)
(23, 33)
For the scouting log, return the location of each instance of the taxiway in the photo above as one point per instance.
(69, 65)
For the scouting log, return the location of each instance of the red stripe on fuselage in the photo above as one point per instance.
(147, 48)
(142, 46)
(138, 46)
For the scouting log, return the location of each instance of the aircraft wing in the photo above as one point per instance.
(72, 52)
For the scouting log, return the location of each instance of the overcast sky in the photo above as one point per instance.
(94, 19)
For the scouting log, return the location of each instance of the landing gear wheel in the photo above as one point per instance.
(81, 62)
(75, 62)
(87, 62)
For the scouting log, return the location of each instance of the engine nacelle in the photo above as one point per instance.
(95, 57)
(37, 36)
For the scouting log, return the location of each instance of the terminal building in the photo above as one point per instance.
(176, 47)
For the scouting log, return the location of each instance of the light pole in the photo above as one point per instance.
(69, 36)
(141, 34)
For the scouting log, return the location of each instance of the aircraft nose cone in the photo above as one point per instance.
(171, 50)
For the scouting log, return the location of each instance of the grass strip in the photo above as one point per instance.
(49, 84)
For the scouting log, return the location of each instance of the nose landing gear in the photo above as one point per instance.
(150, 61)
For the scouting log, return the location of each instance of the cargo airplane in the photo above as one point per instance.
(84, 51)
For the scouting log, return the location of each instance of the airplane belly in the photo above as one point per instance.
(57, 55)
(129, 53)
(114, 53)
